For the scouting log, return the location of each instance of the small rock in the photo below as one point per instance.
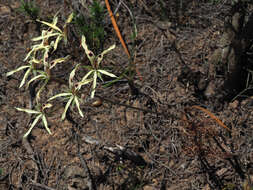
(149, 187)
(210, 90)
(202, 84)
(234, 104)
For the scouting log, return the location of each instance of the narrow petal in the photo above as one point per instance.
(71, 75)
(59, 95)
(107, 73)
(33, 124)
(78, 106)
(101, 56)
(66, 108)
(51, 25)
(35, 78)
(28, 111)
(46, 36)
(87, 75)
(94, 84)
(24, 78)
(89, 53)
(16, 70)
(58, 39)
(44, 119)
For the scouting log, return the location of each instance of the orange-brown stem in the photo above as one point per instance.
(116, 28)
(213, 117)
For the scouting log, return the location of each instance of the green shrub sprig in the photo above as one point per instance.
(92, 27)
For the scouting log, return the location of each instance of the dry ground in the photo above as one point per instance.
(168, 144)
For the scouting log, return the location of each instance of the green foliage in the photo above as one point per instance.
(30, 9)
(97, 12)
(1, 171)
(92, 28)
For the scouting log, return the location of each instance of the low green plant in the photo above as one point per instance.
(30, 9)
(40, 65)
(92, 28)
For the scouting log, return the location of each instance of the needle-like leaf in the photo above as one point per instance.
(70, 18)
(99, 76)
(80, 84)
(48, 105)
(40, 90)
(58, 39)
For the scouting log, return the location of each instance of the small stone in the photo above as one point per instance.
(210, 90)
(149, 187)
(234, 104)
(202, 84)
